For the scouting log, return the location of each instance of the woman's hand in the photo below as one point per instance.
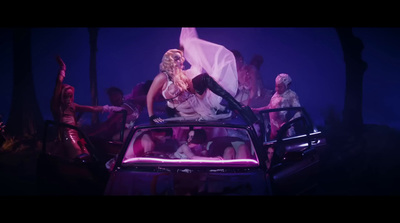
(156, 119)
(255, 110)
(62, 68)
(108, 108)
(61, 63)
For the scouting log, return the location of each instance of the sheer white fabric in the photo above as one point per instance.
(288, 99)
(215, 59)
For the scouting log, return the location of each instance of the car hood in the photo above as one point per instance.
(187, 182)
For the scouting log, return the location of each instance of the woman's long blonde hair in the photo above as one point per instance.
(174, 72)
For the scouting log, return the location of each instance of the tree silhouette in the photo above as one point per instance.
(355, 67)
(25, 117)
(93, 71)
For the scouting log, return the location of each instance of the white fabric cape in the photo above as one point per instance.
(212, 58)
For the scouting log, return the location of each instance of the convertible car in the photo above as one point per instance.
(287, 164)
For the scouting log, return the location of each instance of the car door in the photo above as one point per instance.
(295, 161)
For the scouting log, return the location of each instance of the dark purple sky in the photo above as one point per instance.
(126, 56)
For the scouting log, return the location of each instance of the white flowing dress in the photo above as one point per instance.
(218, 62)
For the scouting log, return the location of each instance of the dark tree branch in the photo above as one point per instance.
(93, 71)
(25, 115)
(355, 67)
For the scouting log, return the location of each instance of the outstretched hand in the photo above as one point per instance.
(156, 119)
(108, 108)
(61, 63)
(255, 110)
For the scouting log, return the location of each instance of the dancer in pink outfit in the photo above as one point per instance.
(64, 110)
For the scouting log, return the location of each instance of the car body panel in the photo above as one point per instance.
(157, 176)
(186, 182)
(296, 161)
(293, 169)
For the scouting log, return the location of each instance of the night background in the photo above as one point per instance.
(126, 56)
(312, 56)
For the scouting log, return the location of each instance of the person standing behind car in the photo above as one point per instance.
(282, 98)
(247, 85)
(64, 110)
(262, 95)
(111, 128)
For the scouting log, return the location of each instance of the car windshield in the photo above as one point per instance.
(191, 146)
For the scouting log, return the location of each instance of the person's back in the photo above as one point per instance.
(155, 140)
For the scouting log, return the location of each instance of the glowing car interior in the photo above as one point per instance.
(214, 148)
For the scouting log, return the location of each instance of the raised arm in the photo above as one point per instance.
(104, 108)
(55, 100)
(256, 110)
(88, 108)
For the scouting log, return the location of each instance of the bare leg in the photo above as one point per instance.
(73, 146)
(243, 152)
(229, 153)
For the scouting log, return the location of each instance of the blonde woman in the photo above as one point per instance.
(177, 89)
(196, 93)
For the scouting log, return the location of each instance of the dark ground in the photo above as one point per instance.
(369, 166)
(18, 172)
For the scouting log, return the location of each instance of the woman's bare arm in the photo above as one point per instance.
(155, 88)
(55, 100)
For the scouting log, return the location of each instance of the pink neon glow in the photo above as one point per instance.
(189, 162)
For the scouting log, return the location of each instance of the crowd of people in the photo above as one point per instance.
(218, 84)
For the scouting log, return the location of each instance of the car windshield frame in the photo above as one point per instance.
(242, 132)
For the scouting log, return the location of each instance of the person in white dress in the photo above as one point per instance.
(196, 93)
(283, 97)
